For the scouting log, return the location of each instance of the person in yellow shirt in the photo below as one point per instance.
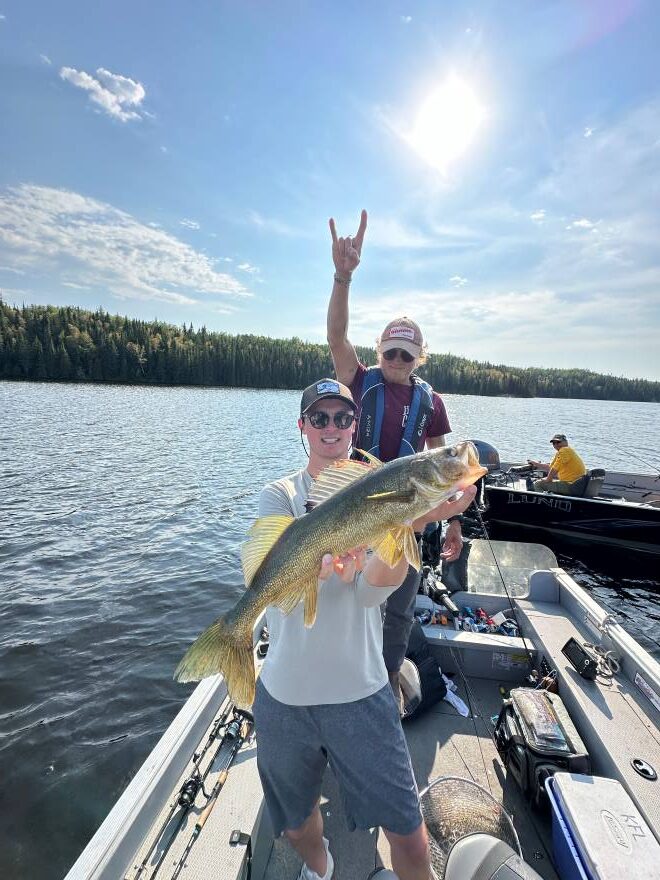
(563, 470)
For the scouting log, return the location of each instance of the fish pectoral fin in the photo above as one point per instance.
(311, 601)
(376, 462)
(263, 534)
(405, 497)
(411, 548)
(335, 477)
(396, 544)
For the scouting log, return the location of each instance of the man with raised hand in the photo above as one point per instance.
(398, 414)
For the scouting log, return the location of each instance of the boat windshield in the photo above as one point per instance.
(485, 564)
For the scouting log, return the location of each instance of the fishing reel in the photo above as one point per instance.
(234, 726)
(436, 590)
(189, 791)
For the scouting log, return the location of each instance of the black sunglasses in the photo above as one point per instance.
(320, 419)
(390, 354)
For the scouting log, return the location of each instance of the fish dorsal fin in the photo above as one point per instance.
(376, 462)
(336, 476)
(261, 537)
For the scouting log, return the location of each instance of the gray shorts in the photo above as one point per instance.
(364, 744)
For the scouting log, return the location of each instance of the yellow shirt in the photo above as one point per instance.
(568, 464)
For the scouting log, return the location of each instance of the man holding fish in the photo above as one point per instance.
(399, 414)
(323, 695)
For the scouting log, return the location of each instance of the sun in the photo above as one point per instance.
(446, 123)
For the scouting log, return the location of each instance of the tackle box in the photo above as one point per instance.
(598, 832)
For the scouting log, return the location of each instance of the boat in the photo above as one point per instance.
(608, 508)
(150, 835)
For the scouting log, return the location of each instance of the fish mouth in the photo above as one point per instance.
(467, 452)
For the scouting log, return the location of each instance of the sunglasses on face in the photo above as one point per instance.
(320, 419)
(391, 353)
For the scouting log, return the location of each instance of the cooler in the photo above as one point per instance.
(598, 832)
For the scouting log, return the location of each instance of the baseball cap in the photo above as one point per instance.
(325, 388)
(402, 333)
(560, 437)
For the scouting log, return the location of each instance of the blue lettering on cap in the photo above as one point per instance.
(325, 387)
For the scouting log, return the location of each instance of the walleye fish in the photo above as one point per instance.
(355, 504)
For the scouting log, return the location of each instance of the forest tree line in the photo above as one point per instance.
(61, 343)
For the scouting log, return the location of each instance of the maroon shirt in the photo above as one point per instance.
(397, 406)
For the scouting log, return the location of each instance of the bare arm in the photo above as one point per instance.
(435, 442)
(539, 465)
(346, 257)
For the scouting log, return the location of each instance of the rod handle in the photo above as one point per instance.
(203, 816)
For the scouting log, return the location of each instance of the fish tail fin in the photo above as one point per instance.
(397, 543)
(222, 648)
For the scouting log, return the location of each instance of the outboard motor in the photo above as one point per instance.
(486, 857)
(477, 856)
(489, 457)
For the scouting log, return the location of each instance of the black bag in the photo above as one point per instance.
(421, 680)
(535, 738)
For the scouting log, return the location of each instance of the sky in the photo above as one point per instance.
(180, 162)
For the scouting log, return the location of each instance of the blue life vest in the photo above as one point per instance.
(372, 410)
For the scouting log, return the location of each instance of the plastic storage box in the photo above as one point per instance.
(598, 832)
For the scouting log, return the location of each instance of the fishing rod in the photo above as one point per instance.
(187, 794)
(238, 730)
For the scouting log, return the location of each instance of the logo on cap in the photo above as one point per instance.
(401, 332)
(327, 387)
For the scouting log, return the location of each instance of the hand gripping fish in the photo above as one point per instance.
(354, 504)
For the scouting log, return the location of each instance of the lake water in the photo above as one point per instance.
(121, 513)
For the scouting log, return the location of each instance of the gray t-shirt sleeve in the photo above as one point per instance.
(274, 500)
(367, 595)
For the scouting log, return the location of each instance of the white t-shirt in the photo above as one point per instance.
(340, 658)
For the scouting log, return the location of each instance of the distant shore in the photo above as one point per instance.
(66, 344)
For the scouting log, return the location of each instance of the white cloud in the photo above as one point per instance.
(163, 149)
(246, 267)
(74, 285)
(45, 59)
(494, 324)
(458, 281)
(189, 224)
(583, 223)
(406, 19)
(12, 269)
(113, 93)
(2, 17)
(588, 132)
(538, 216)
(90, 242)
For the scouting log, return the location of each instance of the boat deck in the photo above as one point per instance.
(442, 743)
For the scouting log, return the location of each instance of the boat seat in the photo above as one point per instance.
(588, 485)
(617, 723)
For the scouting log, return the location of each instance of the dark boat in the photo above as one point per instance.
(608, 508)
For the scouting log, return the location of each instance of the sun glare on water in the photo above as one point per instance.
(446, 123)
